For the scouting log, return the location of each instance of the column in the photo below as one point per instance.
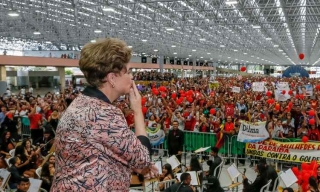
(62, 77)
(160, 63)
(3, 73)
(193, 67)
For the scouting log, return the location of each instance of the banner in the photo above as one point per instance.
(258, 86)
(155, 135)
(214, 84)
(236, 89)
(306, 90)
(252, 132)
(282, 86)
(285, 151)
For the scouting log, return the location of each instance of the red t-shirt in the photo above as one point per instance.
(228, 126)
(48, 114)
(229, 110)
(130, 119)
(190, 122)
(167, 123)
(34, 120)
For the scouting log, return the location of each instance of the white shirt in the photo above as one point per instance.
(23, 91)
(8, 92)
(276, 131)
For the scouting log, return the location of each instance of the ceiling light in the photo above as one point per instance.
(256, 26)
(143, 53)
(190, 55)
(210, 58)
(202, 39)
(276, 46)
(170, 29)
(187, 58)
(201, 57)
(97, 31)
(130, 46)
(280, 50)
(245, 53)
(144, 40)
(235, 50)
(174, 53)
(93, 41)
(268, 38)
(108, 9)
(155, 50)
(194, 50)
(36, 33)
(222, 46)
(13, 14)
(208, 53)
(231, 2)
(48, 42)
(173, 46)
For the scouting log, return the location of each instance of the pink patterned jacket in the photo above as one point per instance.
(95, 149)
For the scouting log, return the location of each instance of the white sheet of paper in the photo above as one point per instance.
(5, 175)
(159, 167)
(194, 177)
(233, 172)
(35, 184)
(288, 177)
(173, 161)
(202, 149)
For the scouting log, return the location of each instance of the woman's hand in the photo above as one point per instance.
(135, 98)
(142, 171)
(153, 173)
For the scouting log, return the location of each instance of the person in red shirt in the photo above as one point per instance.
(190, 119)
(35, 122)
(229, 107)
(228, 126)
(314, 133)
(228, 131)
(129, 118)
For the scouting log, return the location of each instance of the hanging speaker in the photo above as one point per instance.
(179, 62)
(190, 63)
(143, 59)
(164, 61)
(154, 60)
(201, 63)
(171, 61)
(185, 62)
(197, 63)
(271, 70)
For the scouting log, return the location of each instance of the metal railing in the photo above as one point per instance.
(230, 150)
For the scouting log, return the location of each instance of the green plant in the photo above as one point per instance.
(68, 72)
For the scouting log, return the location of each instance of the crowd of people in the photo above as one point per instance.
(28, 125)
(183, 104)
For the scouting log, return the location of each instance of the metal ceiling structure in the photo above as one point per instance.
(238, 31)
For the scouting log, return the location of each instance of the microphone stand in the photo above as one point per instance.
(179, 186)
